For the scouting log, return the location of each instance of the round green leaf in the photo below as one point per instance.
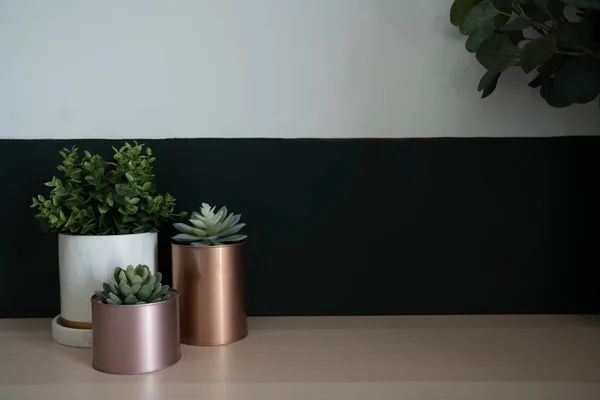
(538, 80)
(487, 80)
(497, 53)
(536, 52)
(593, 4)
(459, 9)
(578, 81)
(554, 8)
(489, 89)
(516, 25)
(552, 97)
(506, 7)
(482, 13)
(476, 38)
(571, 34)
(547, 70)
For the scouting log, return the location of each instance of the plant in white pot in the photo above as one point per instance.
(106, 214)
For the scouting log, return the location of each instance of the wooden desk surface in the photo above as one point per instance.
(350, 358)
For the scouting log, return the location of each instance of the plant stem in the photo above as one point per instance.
(584, 50)
(538, 30)
(588, 51)
(518, 9)
(553, 21)
(569, 53)
(541, 28)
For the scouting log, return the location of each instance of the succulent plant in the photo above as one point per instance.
(210, 228)
(134, 286)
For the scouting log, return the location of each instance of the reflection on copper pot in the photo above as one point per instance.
(135, 339)
(211, 282)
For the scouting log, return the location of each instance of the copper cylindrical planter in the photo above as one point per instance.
(211, 282)
(135, 339)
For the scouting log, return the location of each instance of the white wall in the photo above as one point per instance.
(254, 68)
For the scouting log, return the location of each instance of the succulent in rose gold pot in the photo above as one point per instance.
(135, 320)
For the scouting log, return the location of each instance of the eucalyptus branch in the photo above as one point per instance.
(554, 23)
(569, 53)
(584, 50)
(521, 11)
(539, 30)
(518, 9)
(541, 51)
(589, 52)
(540, 27)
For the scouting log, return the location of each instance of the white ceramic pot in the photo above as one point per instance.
(85, 262)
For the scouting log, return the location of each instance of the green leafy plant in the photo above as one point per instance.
(209, 228)
(559, 39)
(99, 197)
(134, 286)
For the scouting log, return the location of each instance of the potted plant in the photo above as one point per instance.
(558, 39)
(136, 323)
(106, 214)
(208, 271)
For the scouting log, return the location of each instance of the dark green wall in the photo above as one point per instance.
(416, 226)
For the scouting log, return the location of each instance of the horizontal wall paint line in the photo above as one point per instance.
(265, 68)
(346, 227)
(143, 139)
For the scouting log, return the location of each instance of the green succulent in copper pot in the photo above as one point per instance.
(210, 228)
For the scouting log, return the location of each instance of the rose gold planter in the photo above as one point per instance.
(211, 282)
(135, 339)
